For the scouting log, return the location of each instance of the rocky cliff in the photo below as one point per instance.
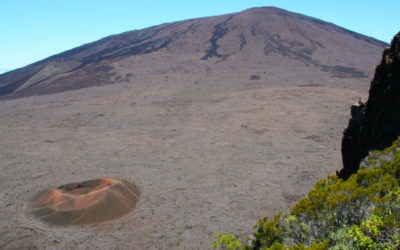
(375, 124)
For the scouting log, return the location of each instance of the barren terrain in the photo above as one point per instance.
(205, 160)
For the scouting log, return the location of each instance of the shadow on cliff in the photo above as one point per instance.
(374, 125)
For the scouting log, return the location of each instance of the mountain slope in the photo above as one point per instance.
(287, 48)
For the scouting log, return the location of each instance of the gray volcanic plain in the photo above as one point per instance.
(219, 121)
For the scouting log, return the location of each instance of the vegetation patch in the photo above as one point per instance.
(362, 212)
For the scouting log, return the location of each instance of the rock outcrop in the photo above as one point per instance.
(375, 124)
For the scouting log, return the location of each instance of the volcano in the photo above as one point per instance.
(85, 202)
(267, 44)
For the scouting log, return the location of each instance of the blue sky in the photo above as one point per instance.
(31, 30)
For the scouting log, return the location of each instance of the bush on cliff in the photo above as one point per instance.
(362, 212)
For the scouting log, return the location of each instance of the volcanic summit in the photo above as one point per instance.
(270, 44)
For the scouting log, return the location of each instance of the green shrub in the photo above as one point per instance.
(226, 241)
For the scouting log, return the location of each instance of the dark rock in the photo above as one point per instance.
(375, 125)
(220, 31)
(255, 77)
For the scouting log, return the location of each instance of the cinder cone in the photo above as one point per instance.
(86, 202)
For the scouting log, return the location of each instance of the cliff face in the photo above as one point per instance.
(375, 124)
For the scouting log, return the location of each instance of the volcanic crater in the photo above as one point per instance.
(86, 202)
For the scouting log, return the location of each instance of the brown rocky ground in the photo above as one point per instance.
(219, 121)
(207, 157)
